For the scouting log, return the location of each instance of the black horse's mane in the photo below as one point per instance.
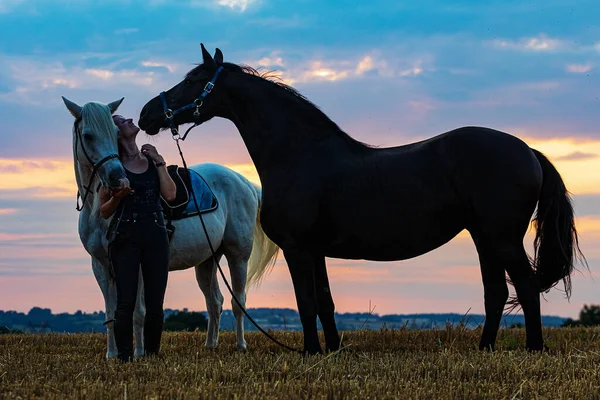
(274, 81)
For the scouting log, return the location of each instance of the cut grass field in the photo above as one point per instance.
(399, 364)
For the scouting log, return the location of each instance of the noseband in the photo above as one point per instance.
(95, 166)
(170, 114)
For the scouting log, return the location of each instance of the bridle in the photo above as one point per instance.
(95, 166)
(197, 103)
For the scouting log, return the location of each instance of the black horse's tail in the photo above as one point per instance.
(556, 243)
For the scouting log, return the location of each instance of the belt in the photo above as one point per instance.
(142, 216)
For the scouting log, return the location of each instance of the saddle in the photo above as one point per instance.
(182, 206)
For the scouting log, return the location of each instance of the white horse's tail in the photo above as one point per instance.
(264, 251)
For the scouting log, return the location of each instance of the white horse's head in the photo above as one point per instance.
(95, 142)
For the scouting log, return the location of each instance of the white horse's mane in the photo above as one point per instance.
(95, 118)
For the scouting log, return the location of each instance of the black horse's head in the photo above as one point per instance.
(193, 94)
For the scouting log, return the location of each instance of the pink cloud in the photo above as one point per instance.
(579, 68)
(6, 211)
(6, 237)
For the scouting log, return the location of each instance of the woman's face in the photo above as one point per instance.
(127, 129)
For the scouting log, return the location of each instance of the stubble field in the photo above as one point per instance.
(440, 364)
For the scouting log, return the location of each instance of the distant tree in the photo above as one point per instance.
(570, 322)
(588, 316)
(516, 325)
(4, 329)
(186, 321)
(37, 314)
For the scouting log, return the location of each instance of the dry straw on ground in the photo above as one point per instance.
(398, 364)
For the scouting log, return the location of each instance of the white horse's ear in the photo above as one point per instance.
(73, 108)
(115, 105)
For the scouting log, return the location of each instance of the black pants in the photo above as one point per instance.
(141, 241)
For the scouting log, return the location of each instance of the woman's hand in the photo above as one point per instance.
(151, 152)
(120, 193)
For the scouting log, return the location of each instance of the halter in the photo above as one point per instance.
(95, 166)
(170, 114)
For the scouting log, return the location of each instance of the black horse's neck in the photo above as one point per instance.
(278, 125)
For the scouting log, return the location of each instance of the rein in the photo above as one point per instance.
(95, 166)
(169, 114)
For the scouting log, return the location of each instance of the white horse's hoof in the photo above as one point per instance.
(139, 353)
(241, 347)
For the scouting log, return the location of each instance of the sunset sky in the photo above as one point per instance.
(388, 72)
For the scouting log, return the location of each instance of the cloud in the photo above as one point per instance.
(240, 5)
(579, 68)
(8, 5)
(287, 22)
(247, 170)
(562, 152)
(45, 178)
(171, 67)
(126, 31)
(6, 211)
(331, 70)
(9, 237)
(236, 5)
(34, 79)
(540, 43)
(577, 156)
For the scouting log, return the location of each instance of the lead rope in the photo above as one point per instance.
(212, 250)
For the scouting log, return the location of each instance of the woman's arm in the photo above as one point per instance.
(167, 186)
(168, 190)
(108, 203)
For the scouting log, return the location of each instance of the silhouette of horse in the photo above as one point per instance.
(327, 195)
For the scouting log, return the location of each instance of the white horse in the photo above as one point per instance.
(234, 228)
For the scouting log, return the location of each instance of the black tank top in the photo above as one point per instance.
(146, 196)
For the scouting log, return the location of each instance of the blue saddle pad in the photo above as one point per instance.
(204, 196)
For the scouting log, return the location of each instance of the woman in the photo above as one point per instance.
(139, 238)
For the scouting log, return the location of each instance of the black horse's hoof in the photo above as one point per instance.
(487, 347)
(538, 349)
(311, 352)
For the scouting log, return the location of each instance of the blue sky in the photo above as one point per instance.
(388, 72)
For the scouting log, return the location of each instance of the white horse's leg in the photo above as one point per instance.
(238, 267)
(139, 313)
(206, 275)
(109, 292)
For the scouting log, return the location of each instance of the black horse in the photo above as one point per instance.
(327, 195)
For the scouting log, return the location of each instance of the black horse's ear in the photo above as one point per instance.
(218, 56)
(206, 58)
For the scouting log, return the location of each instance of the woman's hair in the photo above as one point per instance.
(119, 147)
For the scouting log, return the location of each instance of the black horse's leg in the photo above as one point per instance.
(302, 269)
(528, 293)
(326, 307)
(495, 296)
